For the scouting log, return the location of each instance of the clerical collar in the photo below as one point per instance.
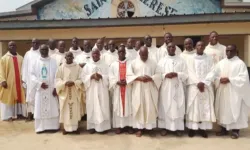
(168, 56)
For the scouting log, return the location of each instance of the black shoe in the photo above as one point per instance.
(223, 132)
(191, 133)
(203, 133)
(235, 134)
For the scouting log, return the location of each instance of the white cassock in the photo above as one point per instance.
(59, 57)
(186, 55)
(172, 97)
(131, 54)
(84, 57)
(144, 95)
(217, 52)
(200, 105)
(162, 52)
(232, 100)
(29, 59)
(51, 52)
(97, 96)
(76, 52)
(46, 111)
(110, 57)
(122, 108)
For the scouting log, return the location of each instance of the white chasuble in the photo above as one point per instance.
(51, 52)
(153, 52)
(217, 52)
(186, 55)
(97, 96)
(200, 105)
(164, 52)
(172, 98)
(232, 99)
(110, 57)
(46, 112)
(122, 95)
(69, 97)
(29, 59)
(145, 95)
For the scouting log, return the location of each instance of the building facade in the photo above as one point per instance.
(121, 19)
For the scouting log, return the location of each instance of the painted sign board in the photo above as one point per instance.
(75, 9)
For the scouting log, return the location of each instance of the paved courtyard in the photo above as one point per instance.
(21, 136)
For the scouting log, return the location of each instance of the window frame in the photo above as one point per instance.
(225, 4)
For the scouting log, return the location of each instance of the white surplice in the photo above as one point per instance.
(97, 96)
(172, 98)
(29, 59)
(217, 52)
(153, 52)
(162, 52)
(110, 57)
(144, 95)
(84, 57)
(131, 54)
(59, 57)
(121, 117)
(200, 105)
(76, 52)
(51, 52)
(46, 111)
(232, 99)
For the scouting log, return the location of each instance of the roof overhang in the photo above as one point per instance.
(114, 22)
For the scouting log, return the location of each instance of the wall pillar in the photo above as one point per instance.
(154, 42)
(247, 50)
(3, 48)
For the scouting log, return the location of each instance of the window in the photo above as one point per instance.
(236, 3)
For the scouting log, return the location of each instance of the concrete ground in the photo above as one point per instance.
(20, 135)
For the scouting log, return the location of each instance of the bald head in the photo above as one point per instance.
(44, 50)
(188, 44)
(69, 57)
(96, 55)
(143, 53)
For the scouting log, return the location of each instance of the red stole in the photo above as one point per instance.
(17, 79)
(122, 72)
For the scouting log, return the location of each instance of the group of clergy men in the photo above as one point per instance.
(130, 88)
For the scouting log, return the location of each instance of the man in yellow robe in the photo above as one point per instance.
(12, 97)
(69, 88)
